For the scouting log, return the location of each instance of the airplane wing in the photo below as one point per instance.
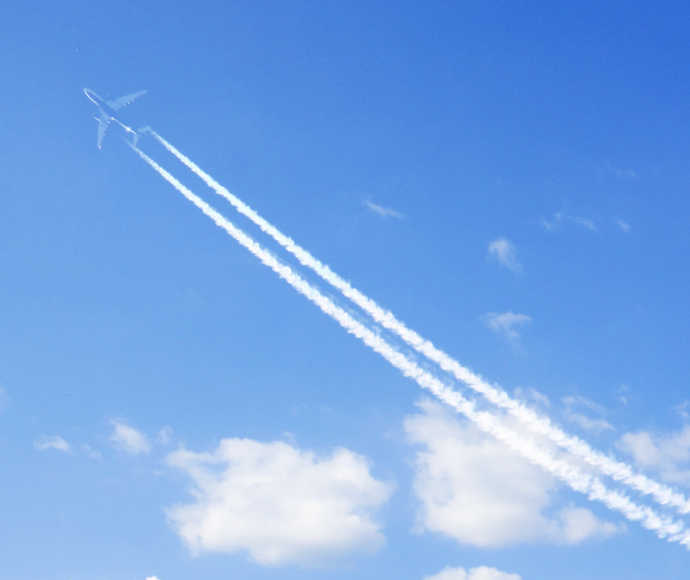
(124, 101)
(103, 122)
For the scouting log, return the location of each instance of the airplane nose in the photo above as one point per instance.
(91, 95)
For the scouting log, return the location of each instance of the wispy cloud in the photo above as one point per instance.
(623, 225)
(477, 491)
(621, 174)
(384, 212)
(669, 454)
(588, 424)
(129, 439)
(503, 251)
(561, 217)
(479, 573)
(585, 223)
(504, 324)
(531, 393)
(164, 435)
(573, 413)
(89, 452)
(55, 442)
(279, 503)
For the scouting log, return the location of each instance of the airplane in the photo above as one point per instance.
(107, 111)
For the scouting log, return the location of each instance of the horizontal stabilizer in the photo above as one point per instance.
(139, 133)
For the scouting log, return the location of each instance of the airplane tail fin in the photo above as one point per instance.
(139, 133)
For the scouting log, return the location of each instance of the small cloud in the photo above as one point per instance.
(503, 251)
(479, 573)
(129, 439)
(384, 212)
(621, 174)
(279, 503)
(152, 578)
(596, 425)
(164, 435)
(585, 223)
(550, 226)
(621, 393)
(579, 524)
(92, 453)
(561, 217)
(573, 400)
(668, 455)
(683, 409)
(503, 323)
(625, 226)
(56, 442)
(587, 423)
(540, 398)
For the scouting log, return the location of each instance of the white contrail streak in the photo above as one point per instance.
(618, 470)
(664, 527)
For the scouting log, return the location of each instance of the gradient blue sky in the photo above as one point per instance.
(397, 141)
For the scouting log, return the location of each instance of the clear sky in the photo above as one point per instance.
(510, 179)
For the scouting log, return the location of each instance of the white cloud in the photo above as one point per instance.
(503, 323)
(595, 425)
(279, 503)
(588, 424)
(129, 439)
(56, 442)
(474, 489)
(668, 455)
(531, 393)
(578, 524)
(92, 453)
(503, 251)
(384, 212)
(621, 174)
(152, 578)
(573, 400)
(480, 573)
(164, 435)
(625, 226)
(560, 217)
(585, 223)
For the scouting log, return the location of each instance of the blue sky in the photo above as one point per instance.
(511, 181)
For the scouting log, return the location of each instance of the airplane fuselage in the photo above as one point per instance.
(107, 109)
(107, 112)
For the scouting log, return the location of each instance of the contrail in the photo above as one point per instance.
(664, 527)
(618, 470)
